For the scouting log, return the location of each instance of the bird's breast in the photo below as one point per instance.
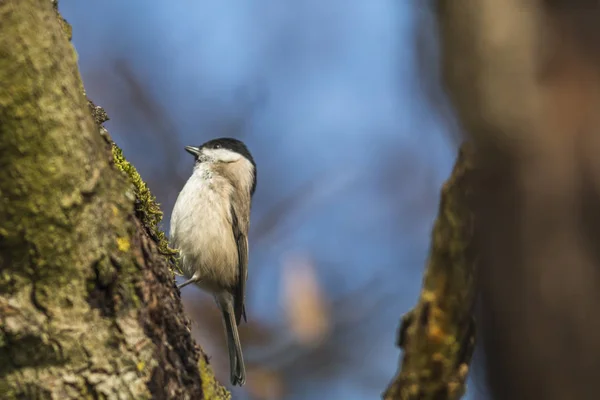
(201, 229)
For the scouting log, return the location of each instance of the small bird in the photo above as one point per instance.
(209, 227)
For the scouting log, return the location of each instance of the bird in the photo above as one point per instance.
(209, 226)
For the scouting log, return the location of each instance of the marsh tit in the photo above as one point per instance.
(209, 227)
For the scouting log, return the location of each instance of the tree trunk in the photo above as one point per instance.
(88, 307)
(524, 78)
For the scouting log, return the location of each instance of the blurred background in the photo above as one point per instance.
(346, 124)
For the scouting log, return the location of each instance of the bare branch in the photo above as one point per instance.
(438, 334)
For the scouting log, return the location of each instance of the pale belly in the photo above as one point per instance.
(201, 230)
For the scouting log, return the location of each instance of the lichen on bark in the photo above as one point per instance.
(88, 307)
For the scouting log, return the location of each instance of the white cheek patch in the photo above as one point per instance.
(221, 155)
(245, 172)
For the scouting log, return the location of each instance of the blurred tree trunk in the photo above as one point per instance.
(88, 307)
(524, 78)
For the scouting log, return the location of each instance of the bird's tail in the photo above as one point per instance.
(236, 359)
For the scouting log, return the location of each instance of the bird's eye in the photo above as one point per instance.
(217, 146)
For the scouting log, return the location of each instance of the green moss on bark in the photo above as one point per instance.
(211, 388)
(147, 208)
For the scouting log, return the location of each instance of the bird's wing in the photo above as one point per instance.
(239, 291)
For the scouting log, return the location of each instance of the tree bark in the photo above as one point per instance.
(88, 307)
(438, 335)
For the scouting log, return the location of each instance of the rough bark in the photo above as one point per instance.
(88, 307)
(438, 335)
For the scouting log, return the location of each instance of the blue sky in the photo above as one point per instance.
(342, 102)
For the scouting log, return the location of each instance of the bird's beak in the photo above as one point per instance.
(195, 151)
